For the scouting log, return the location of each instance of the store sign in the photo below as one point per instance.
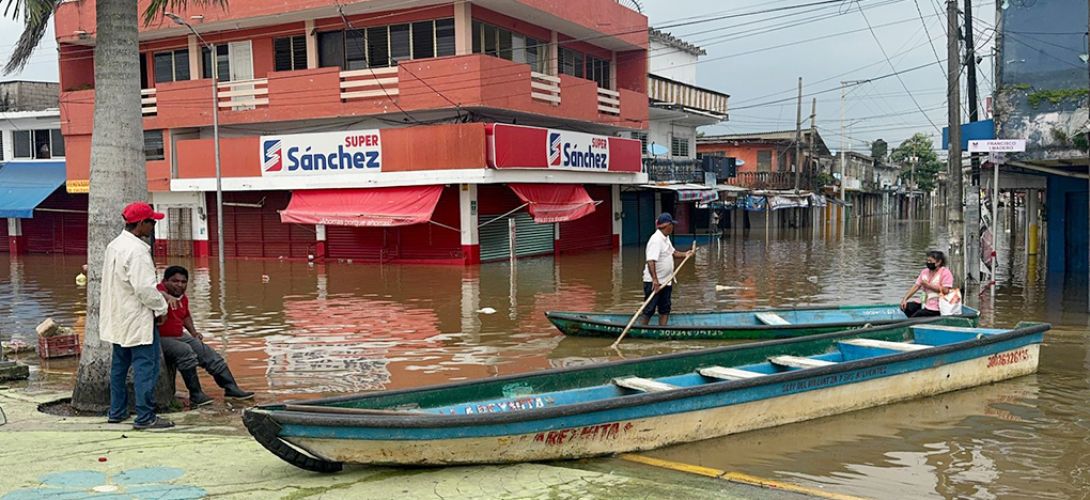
(325, 153)
(578, 151)
(518, 146)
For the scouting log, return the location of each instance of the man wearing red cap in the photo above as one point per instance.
(128, 311)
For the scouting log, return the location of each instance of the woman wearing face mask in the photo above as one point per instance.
(935, 280)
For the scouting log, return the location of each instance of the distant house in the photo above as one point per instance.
(767, 153)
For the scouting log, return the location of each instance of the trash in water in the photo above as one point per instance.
(720, 288)
(812, 279)
(486, 310)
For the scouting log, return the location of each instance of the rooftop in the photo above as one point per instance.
(675, 42)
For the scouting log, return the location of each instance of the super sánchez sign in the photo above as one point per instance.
(323, 153)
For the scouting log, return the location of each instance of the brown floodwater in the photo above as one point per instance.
(296, 330)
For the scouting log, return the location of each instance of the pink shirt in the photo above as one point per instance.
(942, 278)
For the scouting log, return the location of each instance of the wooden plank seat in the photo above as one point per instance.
(883, 344)
(642, 384)
(724, 373)
(797, 362)
(771, 319)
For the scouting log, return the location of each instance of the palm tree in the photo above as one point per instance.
(117, 150)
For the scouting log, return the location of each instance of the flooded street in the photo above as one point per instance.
(296, 330)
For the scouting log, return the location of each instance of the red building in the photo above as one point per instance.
(766, 159)
(365, 130)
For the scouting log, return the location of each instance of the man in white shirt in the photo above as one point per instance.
(660, 267)
(128, 311)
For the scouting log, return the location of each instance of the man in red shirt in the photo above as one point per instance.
(187, 350)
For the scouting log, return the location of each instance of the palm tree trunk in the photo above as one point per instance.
(117, 177)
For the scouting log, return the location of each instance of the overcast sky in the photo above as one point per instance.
(757, 60)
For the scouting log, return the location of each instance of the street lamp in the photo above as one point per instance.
(215, 131)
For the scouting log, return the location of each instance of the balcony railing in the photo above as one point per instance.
(369, 83)
(673, 170)
(690, 96)
(147, 102)
(244, 94)
(545, 88)
(609, 101)
(770, 180)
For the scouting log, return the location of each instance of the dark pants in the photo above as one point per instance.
(187, 352)
(662, 302)
(916, 310)
(144, 360)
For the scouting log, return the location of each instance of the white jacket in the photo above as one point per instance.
(129, 300)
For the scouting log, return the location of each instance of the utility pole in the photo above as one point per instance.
(954, 206)
(813, 133)
(972, 202)
(798, 138)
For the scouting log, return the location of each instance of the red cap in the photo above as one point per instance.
(138, 211)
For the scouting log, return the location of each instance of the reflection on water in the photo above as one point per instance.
(315, 330)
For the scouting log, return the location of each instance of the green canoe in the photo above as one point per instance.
(756, 324)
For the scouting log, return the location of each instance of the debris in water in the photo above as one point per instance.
(812, 279)
(264, 278)
(486, 310)
(721, 288)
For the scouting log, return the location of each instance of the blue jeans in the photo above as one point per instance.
(144, 360)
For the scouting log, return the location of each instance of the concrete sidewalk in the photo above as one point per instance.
(44, 456)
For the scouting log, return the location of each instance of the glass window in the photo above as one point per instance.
(42, 151)
(423, 40)
(478, 37)
(642, 136)
(764, 161)
(571, 62)
(355, 50)
(400, 43)
(489, 39)
(171, 66)
(331, 49)
(290, 53)
(536, 54)
(378, 47)
(444, 37)
(504, 44)
(181, 65)
(679, 146)
(57, 140)
(153, 145)
(22, 144)
(598, 70)
(223, 63)
(143, 71)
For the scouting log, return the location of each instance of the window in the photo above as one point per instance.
(423, 39)
(598, 70)
(153, 145)
(171, 66)
(223, 63)
(498, 42)
(385, 46)
(764, 161)
(642, 136)
(400, 43)
(536, 54)
(290, 53)
(444, 37)
(378, 47)
(21, 143)
(1, 146)
(38, 144)
(571, 62)
(679, 146)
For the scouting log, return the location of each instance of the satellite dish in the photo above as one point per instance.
(656, 149)
(739, 162)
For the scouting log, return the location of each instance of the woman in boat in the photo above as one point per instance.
(935, 280)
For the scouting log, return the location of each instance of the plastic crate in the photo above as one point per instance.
(59, 346)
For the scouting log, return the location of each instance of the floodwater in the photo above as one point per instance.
(295, 330)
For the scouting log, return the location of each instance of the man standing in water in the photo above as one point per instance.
(129, 308)
(660, 266)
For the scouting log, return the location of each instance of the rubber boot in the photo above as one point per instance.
(197, 397)
(230, 389)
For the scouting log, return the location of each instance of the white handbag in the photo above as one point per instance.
(950, 304)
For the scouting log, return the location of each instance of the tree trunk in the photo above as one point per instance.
(117, 178)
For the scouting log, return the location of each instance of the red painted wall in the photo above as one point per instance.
(746, 152)
(594, 231)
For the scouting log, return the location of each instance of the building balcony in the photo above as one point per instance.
(448, 83)
(772, 181)
(700, 106)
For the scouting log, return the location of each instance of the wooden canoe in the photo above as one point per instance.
(756, 324)
(645, 403)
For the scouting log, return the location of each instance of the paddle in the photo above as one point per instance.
(650, 298)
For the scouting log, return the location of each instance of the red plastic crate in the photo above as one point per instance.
(59, 346)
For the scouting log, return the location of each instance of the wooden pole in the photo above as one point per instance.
(650, 298)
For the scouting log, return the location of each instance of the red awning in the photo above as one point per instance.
(555, 202)
(370, 207)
